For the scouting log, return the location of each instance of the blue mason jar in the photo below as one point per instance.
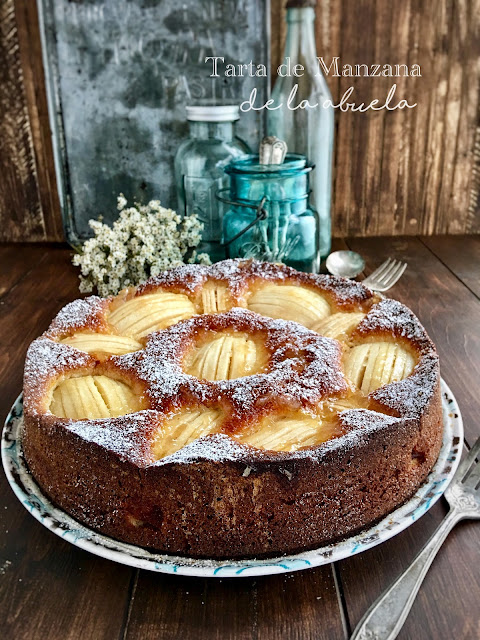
(269, 216)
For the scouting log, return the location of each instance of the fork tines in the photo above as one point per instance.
(387, 274)
(468, 472)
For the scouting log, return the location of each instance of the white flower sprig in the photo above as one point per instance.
(144, 241)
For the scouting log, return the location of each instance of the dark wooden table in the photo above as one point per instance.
(50, 589)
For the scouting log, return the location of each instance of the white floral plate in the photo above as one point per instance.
(31, 496)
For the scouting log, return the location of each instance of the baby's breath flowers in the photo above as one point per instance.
(144, 241)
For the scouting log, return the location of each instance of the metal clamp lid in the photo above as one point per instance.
(261, 213)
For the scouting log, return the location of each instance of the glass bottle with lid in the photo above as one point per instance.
(199, 169)
(309, 130)
(270, 217)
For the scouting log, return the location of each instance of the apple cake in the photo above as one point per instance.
(242, 409)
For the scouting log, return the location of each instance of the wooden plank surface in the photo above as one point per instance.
(443, 608)
(296, 605)
(52, 589)
(462, 258)
(17, 263)
(48, 588)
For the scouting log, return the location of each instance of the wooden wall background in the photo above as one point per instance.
(415, 171)
(29, 207)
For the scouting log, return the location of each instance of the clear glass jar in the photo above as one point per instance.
(308, 131)
(199, 169)
(270, 217)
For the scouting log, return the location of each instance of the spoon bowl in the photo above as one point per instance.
(346, 264)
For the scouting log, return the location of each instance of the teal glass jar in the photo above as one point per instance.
(269, 216)
(199, 169)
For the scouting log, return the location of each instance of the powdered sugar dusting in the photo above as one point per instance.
(218, 447)
(396, 319)
(45, 360)
(127, 436)
(78, 314)
(411, 396)
(359, 424)
(362, 419)
(46, 357)
(237, 274)
(187, 278)
(304, 365)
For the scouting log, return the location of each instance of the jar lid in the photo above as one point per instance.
(213, 113)
(293, 163)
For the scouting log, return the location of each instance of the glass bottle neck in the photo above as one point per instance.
(300, 42)
(211, 130)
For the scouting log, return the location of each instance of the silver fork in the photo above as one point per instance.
(386, 616)
(387, 274)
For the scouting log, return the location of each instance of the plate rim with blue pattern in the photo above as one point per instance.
(63, 525)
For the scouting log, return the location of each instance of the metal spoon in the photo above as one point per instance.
(347, 264)
(272, 150)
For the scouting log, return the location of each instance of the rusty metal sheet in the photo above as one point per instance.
(119, 75)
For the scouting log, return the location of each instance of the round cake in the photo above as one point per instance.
(242, 409)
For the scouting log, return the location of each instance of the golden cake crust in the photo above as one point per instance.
(226, 493)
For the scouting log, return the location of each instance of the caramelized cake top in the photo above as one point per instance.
(241, 359)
